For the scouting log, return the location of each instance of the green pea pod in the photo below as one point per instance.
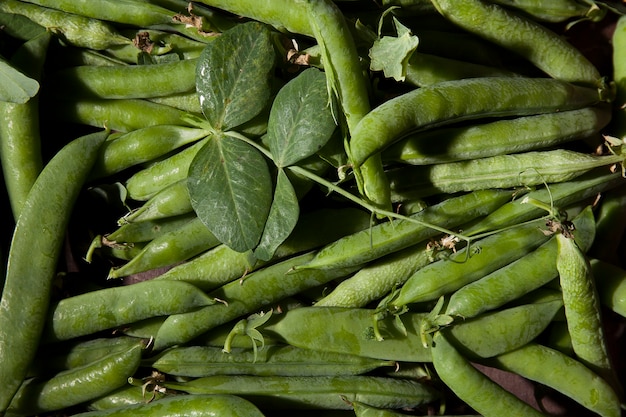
(20, 141)
(181, 244)
(428, 69)
(526, 274)
(472, 386)
(556, 10)
(76, 30)
(123, 397)
(124, 12)
(448, 102)
(126, 81)
(33, 256)
(535, 42)
(384, 238)
(375, 280)
(562, 373)
(507, 329)
(526, 169)
(582, 306)
(122, 115)
(503, 136)
(224, 405)
(145, 183)
(365, 410)
(559, 195)
(75, 386)
(258, 290)
(317, 392)
(80, 353)
(143, 145)
(173, 200)
(147, 230)
(449, 274)
(611, 284)
(610, 226)
(201, 361)
(351, 330)
(108, 308)
(221, 264)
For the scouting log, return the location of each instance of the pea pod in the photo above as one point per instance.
(525, 169)
(375, 280)
(77, 385)
(180, 244)
(506, 329)
(559, 195)
(33, 256)
(472, 386)
(173, 200)
(611, 284)
(145, 183)
(201, 361)
(351, 330)
(143, 145)
(564, 374)
(526, 274)
(317, 392)
(448, 102)
(503, 136)
(460, 268)
(121, 114)
(582, 306)
(112, 307)
(259, 289)
(123, 397)
(147, 230)
(77, 30)
(221, 264)
(20, 141)
(367, 245)
(126, 82)
(126, 12)
(80, 353)
(225, 405)
(535, 42)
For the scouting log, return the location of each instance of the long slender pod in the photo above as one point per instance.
(582, 308)
(564, 374)
(499, 137)
(122, 12)
(120, 114)
(384, 238)
(183, 406)
(447, 102)
(526, 169)
(528, 273)
(257, 290)
(77, 30)
(33, 256)
(472, 386)
(108, 308)
(538, 44)
(75, 386)
(20, 141)
(314, 392)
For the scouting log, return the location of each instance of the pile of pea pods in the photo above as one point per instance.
(313, 207)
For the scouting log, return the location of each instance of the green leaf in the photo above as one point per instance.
(231, 191)
(391, 54)
(301, 120)
(15, 86)
(283, 217)
(233, 75)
